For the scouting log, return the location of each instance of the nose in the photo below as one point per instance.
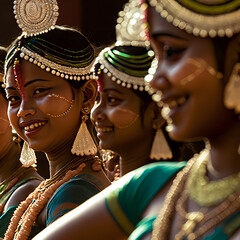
(26, 109)
(160, 80)
(97, 113)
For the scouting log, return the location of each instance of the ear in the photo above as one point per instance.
(158, 120)
(89, 93)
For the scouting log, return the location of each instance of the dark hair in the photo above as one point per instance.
(220, 46)
(66, 46)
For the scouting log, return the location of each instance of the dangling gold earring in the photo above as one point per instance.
(160, 148)
(27, 157)
(232, 90)
(16, 138)
(83, 143)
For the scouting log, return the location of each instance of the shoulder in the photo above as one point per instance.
(161, 172)
(77, 190)
(22, 192)
(81, 182)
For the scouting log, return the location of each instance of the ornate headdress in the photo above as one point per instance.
(125, 69)
(131, 28)
(36, 18)
(201, 17)
(124, 64)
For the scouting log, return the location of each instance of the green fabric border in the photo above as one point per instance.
(114, 207)
(210, 10)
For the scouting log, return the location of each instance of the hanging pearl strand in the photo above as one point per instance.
(26, 214)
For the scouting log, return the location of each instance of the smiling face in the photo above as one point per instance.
(117, 117)
(188, 80)
(46, 112)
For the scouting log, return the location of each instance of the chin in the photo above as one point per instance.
(179, 136)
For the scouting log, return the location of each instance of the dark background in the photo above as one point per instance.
(95, 18)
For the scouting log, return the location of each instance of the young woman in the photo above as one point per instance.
(51, 90)
(16, 181)
(125, 117)
(197, 44)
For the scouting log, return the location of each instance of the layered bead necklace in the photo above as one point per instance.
(226, 202)
(9, 183)
(26, 213)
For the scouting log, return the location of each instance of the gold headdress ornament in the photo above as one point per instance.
(201, 17)
(131, 28)
(35, 16)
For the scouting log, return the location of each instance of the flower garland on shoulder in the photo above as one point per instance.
(26, 214)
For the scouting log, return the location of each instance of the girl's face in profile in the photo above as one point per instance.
(117, 117)
(187, 76)
(42, 109)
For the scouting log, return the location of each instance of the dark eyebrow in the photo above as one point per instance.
(29, 83)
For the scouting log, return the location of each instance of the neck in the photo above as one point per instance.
(224, 151)
(134, 157)
(9, 161)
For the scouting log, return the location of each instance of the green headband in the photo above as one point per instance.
(65, 63)
(201, 17)
(125, 69)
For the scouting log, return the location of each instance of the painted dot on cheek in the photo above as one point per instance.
(123, 118)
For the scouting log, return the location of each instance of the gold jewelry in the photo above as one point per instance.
(35, 16)
(72, 164)
(209, 193)
(9, 183)
(83, 143)
(232, 90)
(131, 29)
(201, 18)
(161, 226)
(27, 157)
(160, 148)
(63, 71)
(148, 78)
(64, 113)
(28, 210)
(16, 138)
(206, 220)
(15, 174)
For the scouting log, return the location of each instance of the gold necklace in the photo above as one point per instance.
(204, 218)
(4, 185)
(208, 193)
(72, 164)
(28, 210)
(162, 224)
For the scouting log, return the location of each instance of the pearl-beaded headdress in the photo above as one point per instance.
(36, 18)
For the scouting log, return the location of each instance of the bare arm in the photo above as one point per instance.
(22, 192)
(91, 220)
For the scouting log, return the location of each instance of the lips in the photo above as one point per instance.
(32, 125)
